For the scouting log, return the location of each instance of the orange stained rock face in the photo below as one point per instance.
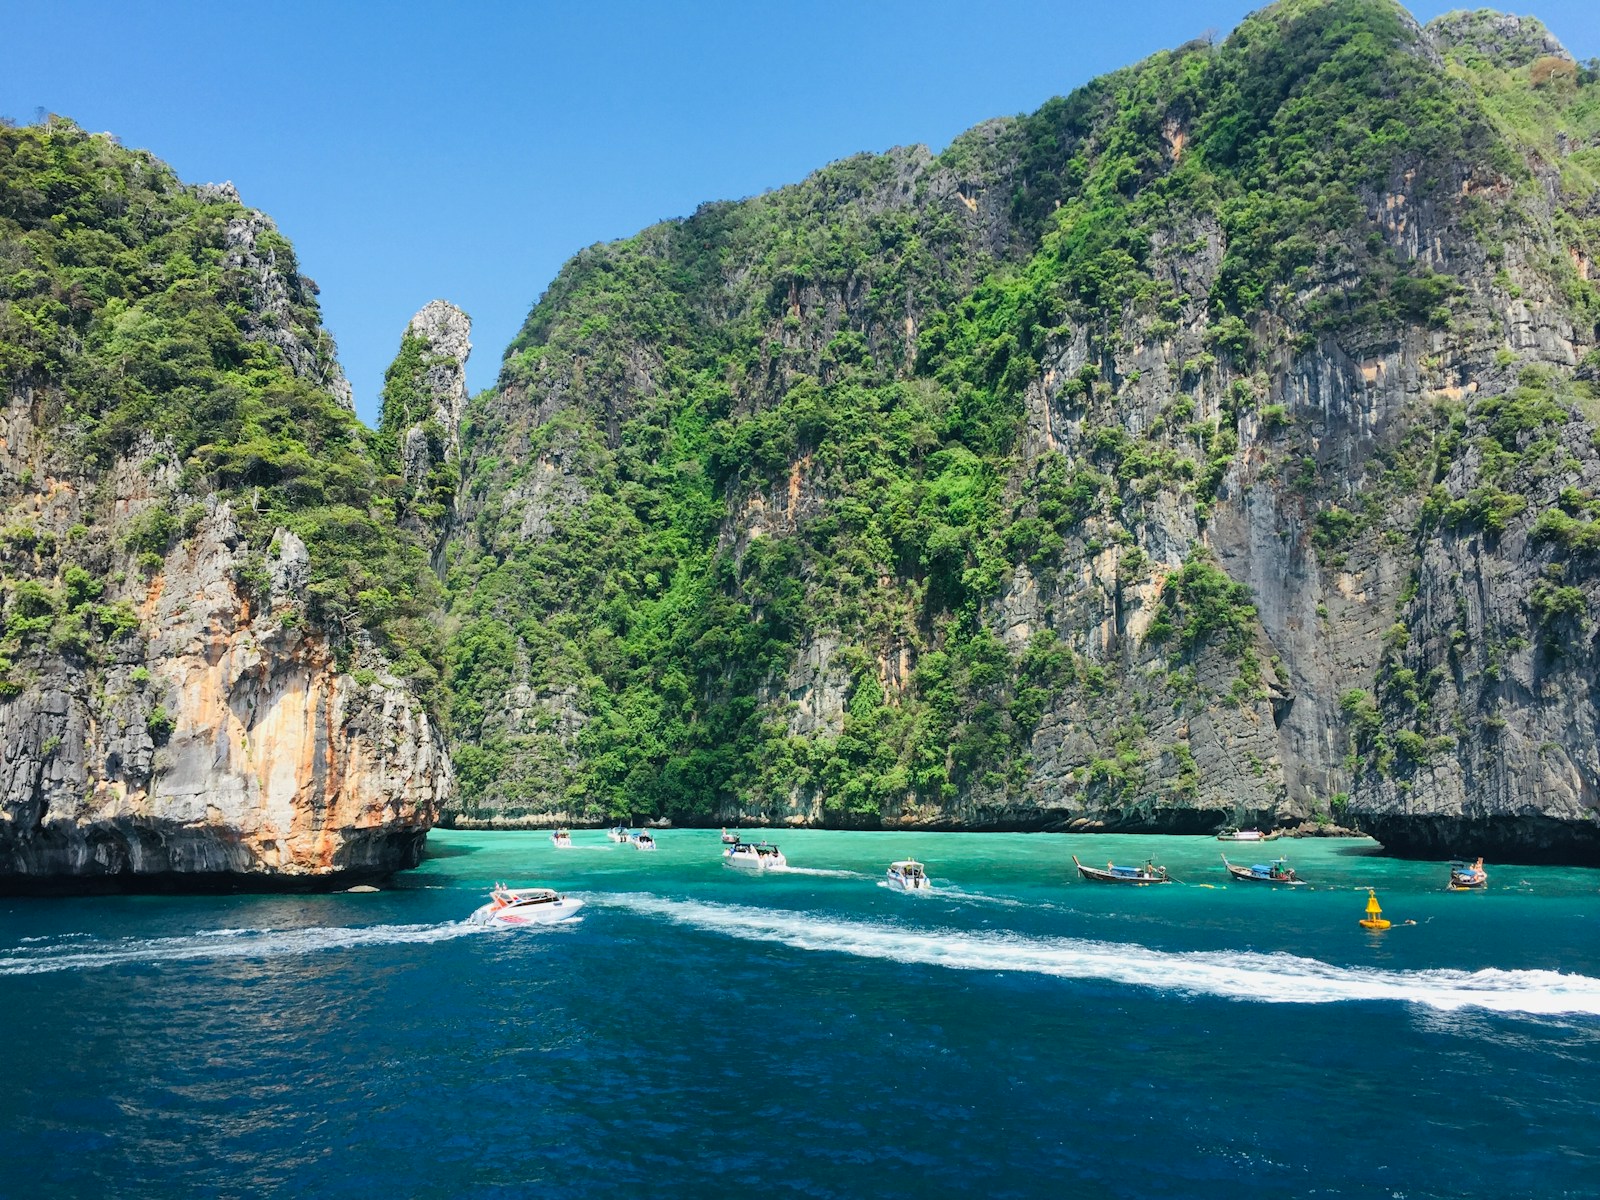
(271, 740)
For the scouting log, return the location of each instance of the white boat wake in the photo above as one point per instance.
(832, 874)
(90, 953)
(955, 893)
(1267, 978)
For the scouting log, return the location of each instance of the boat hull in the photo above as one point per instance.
(516, 916)
(1250, 875)
(755, 862)
(900, 883)
(1096, 875)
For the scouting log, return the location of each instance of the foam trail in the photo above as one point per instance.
(1268, 978)
(815, 871)
(955, 893)
(224, 944)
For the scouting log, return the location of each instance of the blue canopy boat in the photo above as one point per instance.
(1149, 873)
(1278, 871)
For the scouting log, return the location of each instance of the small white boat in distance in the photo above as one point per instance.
(562, 839)
(644, 841)
(1241, 835)
(618, 833)
(525, 906)
(729, 839)
(908, 875)
(755, 856)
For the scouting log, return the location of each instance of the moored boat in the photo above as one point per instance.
(1234, 834)
(618, 833)
(756, 856)
(525, 906)
(908, 875)
(644, 841)
(562, 839)
(1278, 871)
(1149, 873)
(1465, 878)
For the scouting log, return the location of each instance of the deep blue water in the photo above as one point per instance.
(699, 1032)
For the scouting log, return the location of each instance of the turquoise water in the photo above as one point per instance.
(701, 1032)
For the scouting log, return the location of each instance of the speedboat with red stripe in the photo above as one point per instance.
(525, 906)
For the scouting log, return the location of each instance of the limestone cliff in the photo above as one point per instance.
(211, 664)
(1215, 443)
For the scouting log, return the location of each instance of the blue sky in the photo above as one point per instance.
(414, 151)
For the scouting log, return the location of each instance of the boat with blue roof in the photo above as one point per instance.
(1277, 871)
(1138, 876)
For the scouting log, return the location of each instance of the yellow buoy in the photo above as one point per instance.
(1374, 918)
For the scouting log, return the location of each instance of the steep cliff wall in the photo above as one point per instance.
(1122, 466)
(205, 607)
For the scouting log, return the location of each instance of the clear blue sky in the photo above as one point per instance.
(414, 151)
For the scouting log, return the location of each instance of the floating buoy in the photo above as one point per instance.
(1374, 918)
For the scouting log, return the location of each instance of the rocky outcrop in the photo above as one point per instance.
(1504, 39)
(182, 724)
(275, 296)
(201, 655)
(439, 380)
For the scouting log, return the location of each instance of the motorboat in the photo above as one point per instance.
(1234, 834)
(561, 839)
(525, 906)
(908, 875)
(1149, 873)
(729, 839)
(755, 856)
(1278, 871)
(1465, 878)
(618, 833)
(643, 841)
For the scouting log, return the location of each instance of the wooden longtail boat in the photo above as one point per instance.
(1149, 873)
(1273, 872)
(1465, 878)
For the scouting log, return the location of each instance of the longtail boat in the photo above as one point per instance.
(1149, 873)
(1278, 871)
(1464, 878)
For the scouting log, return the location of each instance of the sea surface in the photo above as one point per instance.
(699, 1031)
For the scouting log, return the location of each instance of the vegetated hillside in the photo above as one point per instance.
(1213, 442)
(208, 615)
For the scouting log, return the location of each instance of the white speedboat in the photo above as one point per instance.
(729, 839)
(618, 833)
(561, 838)
(1241, 835)
(908, 875)
(525, 906)
(644, 841)
(755, 856)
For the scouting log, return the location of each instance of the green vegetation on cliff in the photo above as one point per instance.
(751, 499)
(148, 317)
